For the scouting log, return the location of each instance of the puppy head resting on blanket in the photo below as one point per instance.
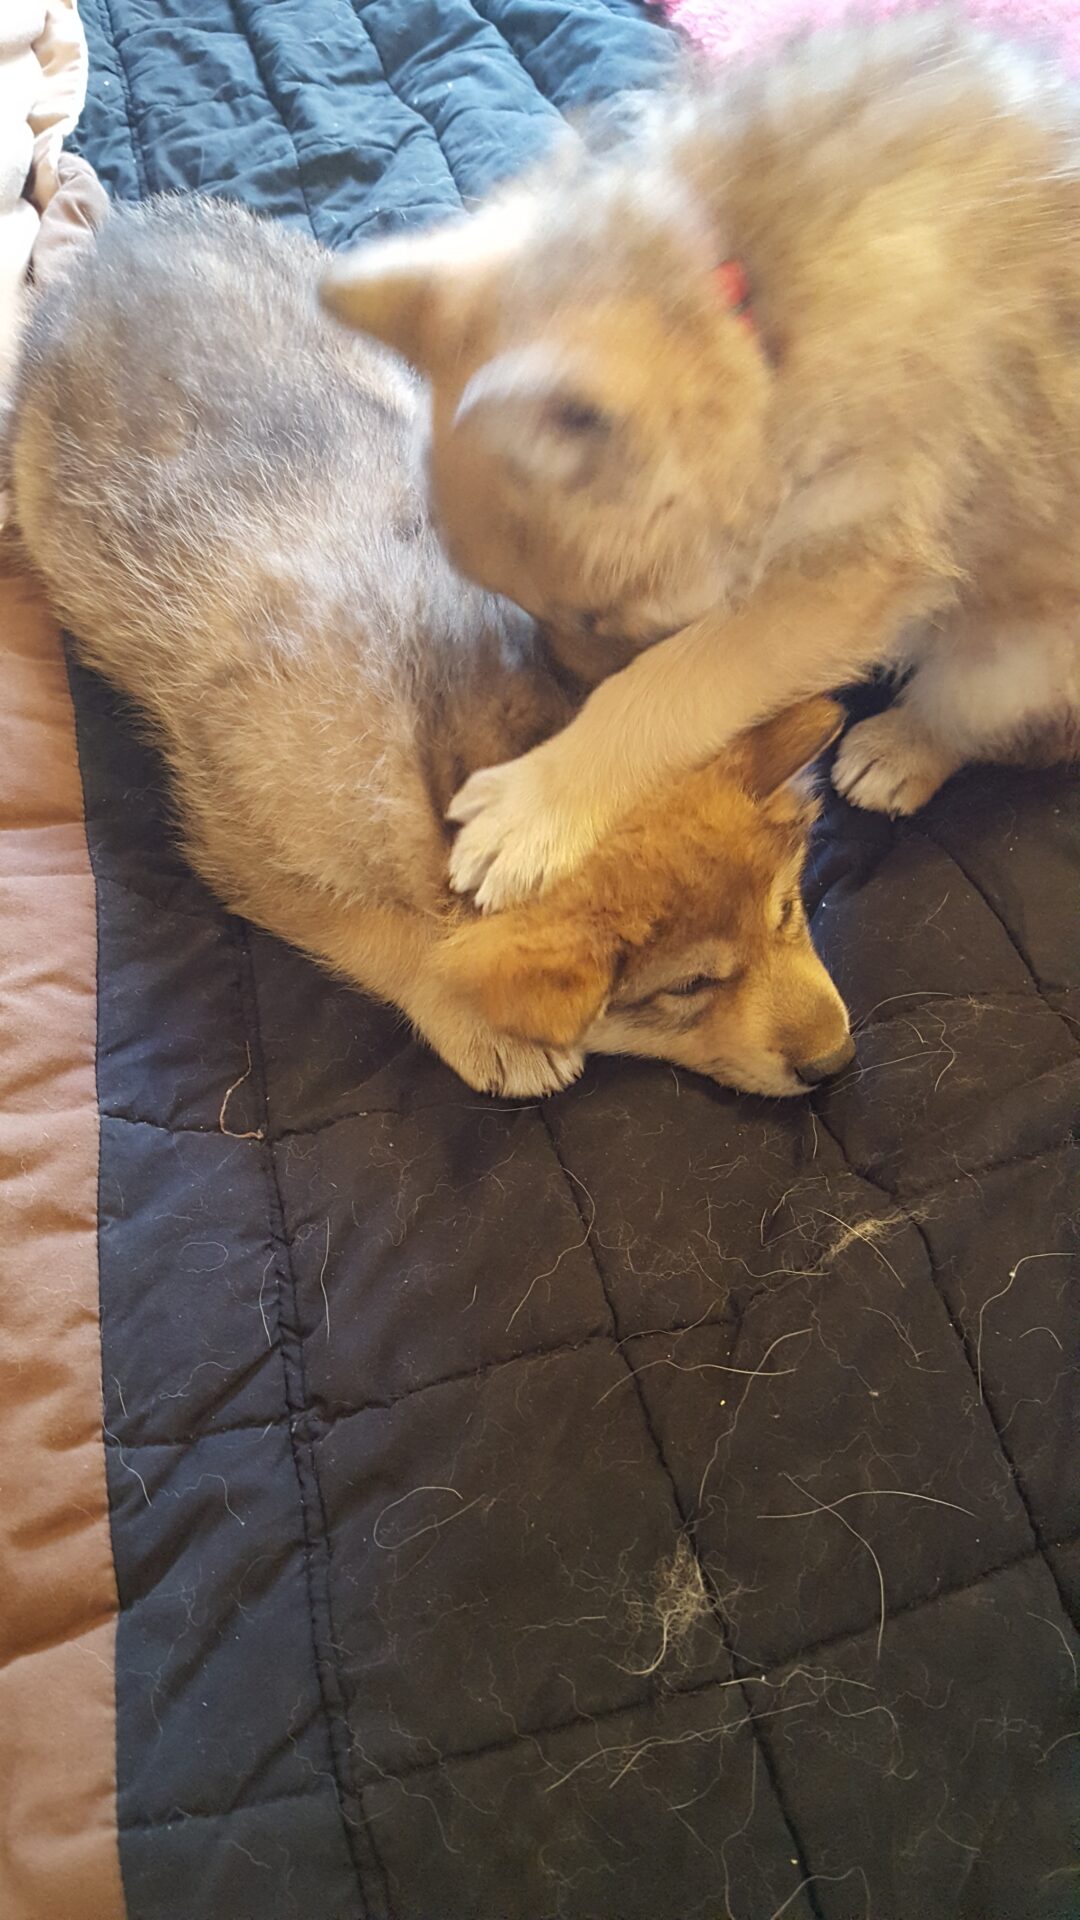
(683, 935)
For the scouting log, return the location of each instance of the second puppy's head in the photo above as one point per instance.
(683, 936)
(597, 446)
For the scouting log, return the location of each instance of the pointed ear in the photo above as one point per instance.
(772, 754)
(536, 414)
(405, 291)
(531, 972)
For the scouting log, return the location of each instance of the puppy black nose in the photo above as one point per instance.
(829, 1065)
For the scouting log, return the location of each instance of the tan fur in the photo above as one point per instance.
(700, 884)
(884, 470)
(222, 507)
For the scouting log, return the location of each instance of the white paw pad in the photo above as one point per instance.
(888, 765)
(521, 1070)
(510, 841)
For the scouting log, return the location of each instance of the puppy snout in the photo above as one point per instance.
(813, 1072)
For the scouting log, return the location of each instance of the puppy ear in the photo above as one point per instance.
(406, 290)
(537, 416)
(770, 755)
(531, 972)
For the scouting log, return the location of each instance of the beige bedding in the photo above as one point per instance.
(42, 88)
(58, 1844)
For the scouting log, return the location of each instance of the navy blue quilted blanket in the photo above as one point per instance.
(656, 1505)
(350, 117)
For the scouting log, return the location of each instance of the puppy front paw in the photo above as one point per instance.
(531, 1072)
(889, 764)
(513, 1069)
(514, 838)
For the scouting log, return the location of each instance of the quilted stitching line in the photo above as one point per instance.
(1056, 1145)
(240, 14)
(411, 1108)
(831, 1642)
(328, 1417)
(362, 1853)
(689, 1533)
(180, 1816)
(1041, 1543)
(198, 916)
(358, 10)
(332, 1416)
(582, 6)
(515, 53)
(138, 154)
(527, 1736)
(1006, 930)
(1058, 1142)
(694, 1690)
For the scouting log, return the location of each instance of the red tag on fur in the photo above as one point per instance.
(734, 289)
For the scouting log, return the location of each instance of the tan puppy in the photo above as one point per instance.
(796, 360)
(682, 935)
(222, 508)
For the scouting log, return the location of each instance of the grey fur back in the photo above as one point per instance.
(217, 485)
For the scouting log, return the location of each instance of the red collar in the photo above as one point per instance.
(733, 288)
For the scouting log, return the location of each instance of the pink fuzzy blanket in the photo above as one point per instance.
(733, 26)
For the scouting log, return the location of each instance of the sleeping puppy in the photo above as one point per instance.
(789, 364)
(215, 483)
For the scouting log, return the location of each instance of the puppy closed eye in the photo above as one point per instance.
(700, 983)
(688, 992)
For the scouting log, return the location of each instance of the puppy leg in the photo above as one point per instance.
(673, 708)
(389, 953)
(983, 691)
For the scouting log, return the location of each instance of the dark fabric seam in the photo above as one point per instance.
(1010, 936)
(247, 32)
(209, 1433)
(358, 12)
(212, 914)
(228, 96)
(170, 1127)
(561, 1349)
(181, 1815)
(528, 1736)
(987, 1399)
(689, 1532)
(142, 178)
(362, 1113)
(522, 62)
(331, 1416)
(406, 1109)
(360, 1847)
(915, 1193)
(1026, 1556)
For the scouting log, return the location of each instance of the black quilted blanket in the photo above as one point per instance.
(649, 1505)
